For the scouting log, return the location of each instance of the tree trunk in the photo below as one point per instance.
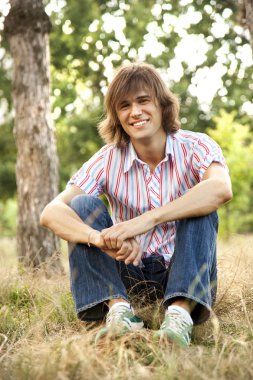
(245, 17)
(27, 26)
(249, 18)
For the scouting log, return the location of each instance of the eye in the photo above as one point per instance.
(144, 100)
(123, 106)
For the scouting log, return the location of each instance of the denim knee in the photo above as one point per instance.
(84, 201)
(91, 210)
(199, 223)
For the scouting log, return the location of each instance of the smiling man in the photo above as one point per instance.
(164, 186)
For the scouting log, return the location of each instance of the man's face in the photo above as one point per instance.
(140, 116)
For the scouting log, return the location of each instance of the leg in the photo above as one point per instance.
(145, 282)
(193, 272)
(94, 275)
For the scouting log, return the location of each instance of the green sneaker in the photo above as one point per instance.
(119, 321)
(175, 328)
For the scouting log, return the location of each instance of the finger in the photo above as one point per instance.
(110, 241)
(138, 258)
(113, 242)
(111, 253)
(108, 244)
(124, 255)
(135, 252)
(125, 249)
(120, 258)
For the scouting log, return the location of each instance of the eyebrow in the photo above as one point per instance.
(141, 97)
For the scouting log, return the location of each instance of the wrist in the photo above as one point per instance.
(93, 238)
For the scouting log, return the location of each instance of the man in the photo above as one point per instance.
(164, 186)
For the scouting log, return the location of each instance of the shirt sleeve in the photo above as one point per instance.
(90, 177)
(205, 152)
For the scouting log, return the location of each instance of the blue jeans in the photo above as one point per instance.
(192, 273)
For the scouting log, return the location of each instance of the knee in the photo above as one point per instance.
(85, 204)
(199, 223)
(92, 211)
(212, 220)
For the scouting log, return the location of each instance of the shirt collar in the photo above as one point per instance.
(130, 157)
(131, 154)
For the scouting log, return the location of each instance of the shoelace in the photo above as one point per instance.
(115, 314)
(177, 323)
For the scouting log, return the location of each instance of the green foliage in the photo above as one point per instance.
(18, 298)
(236, 141)
(77, 141)
(15, 316)
(8, 210)
(64, 311)
(21, 305)
(8, 161)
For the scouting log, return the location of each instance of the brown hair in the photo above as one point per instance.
(127, 80)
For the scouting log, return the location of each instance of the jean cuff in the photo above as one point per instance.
(200, 313)
(86, 307)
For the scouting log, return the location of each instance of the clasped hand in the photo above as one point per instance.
(119, 240)
(127, 250)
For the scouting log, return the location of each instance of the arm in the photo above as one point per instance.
(204, 198)
(64, 222)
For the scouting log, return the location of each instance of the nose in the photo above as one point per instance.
(136, 110)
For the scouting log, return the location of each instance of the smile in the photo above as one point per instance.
(139, 123)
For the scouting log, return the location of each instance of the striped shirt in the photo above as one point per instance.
(132, 189)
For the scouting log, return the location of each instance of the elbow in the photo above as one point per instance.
(226, 193)
(45, 216)
(229, 196)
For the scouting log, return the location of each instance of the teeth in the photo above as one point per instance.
(139, 123)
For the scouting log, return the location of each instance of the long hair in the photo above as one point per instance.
(130, 79)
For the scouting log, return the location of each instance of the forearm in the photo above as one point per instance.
(202, 199)
(206, 197)
(65, 223)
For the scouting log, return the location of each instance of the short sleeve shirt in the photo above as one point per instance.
(132, 189)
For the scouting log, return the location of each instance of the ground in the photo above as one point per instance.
(41, 339)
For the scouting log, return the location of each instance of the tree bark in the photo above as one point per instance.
(249, 18)
(27, 26)
(245, 17)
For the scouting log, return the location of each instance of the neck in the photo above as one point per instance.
(152, 152)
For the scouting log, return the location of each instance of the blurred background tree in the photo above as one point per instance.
(27, 27)
(202, 49)
(236, 142)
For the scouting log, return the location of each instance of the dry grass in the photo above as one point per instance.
(41, 339)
